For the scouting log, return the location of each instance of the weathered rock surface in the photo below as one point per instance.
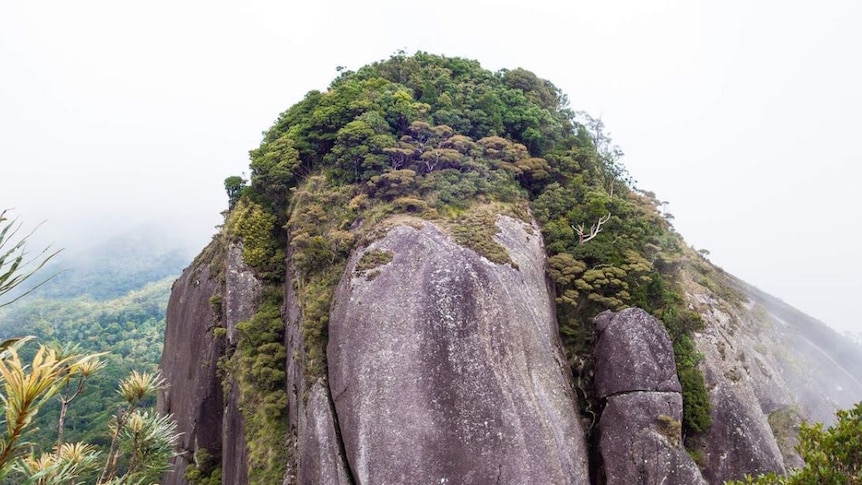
(639, 430)
(240, 301)
(446, 368)
(640, 440)
(241, 293)
(763, 373)
(740, 440)
(188, 364)
(633, 353)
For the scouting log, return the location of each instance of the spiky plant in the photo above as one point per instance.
(16, 266)
(133, 389)
(25, 388)
(63, 466)
(149, 440)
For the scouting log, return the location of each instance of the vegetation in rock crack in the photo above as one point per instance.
(372, 259)
(443, 139)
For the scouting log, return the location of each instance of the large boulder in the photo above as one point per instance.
(740, 440)
(446, 368)
(640, 439)
(633, 353)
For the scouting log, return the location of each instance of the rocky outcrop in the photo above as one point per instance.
(446, 368)
(189, 365)
(200, 302)
(639, 429)
(633, 353)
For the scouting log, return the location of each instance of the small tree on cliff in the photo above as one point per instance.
(234, 186)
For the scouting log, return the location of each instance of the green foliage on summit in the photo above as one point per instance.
(442, 138)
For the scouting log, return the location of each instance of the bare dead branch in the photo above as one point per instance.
(595, 229)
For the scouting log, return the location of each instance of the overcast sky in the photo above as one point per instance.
(743, 114)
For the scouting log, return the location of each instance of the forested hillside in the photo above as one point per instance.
(108, 298)
(129, 328)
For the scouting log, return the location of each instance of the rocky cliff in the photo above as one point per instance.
(442, 366)
(445, 366)
(767, 369)
(440, 274)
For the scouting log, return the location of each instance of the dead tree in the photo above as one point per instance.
(595, 229)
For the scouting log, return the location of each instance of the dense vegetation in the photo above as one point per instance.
(441, 138)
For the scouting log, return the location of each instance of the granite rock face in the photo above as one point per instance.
(189, 358)
(640, 440)
(633, 353)
(740, 440)
(640, 427)
(446, 368)
(241, 297)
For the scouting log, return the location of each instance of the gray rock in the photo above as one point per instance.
(446, 368)
(188, 364)
(640, 440)
(234, 461)
(633, 353)
(205, 419)
(640, 437)
(240, 301)
(242, 291)
(321, 462)
(740, 440)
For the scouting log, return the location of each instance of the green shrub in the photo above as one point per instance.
(258, 365)
(832, 455)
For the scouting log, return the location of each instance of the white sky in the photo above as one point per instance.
(744, 114)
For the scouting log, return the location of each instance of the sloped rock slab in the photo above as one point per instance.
(321, 462)
(445, 368)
